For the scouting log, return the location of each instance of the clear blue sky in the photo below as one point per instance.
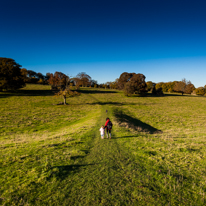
(163, 39)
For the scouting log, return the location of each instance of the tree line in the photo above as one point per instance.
(12, 77)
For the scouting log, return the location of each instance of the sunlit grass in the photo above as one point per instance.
(53, 155)
(28, 114)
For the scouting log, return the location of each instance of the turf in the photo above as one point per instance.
(53, 154)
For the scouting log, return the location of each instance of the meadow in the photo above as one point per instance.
(53, 155)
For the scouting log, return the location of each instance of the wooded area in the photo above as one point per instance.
(13, 77)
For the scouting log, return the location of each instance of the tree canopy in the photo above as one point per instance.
(184, 86)
(200, 91)
(123, 79)
(67, 93)
(150, 85)
(10, 75)
(59, 80)
(13, 77)
(83, 79)
(132, 83)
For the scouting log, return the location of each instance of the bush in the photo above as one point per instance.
(200, 91)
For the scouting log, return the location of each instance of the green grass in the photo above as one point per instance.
(53, 155)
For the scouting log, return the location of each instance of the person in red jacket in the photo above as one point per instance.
(108, 127)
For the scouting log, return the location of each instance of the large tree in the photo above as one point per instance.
(10, 75)
(59, 80)
(24, 73)
(150, 85)
(136, 84)
(183, 86)
(189, 88)
(47, 76)
(94, 83)
(31, 74)
(83, 79)
(123, 79)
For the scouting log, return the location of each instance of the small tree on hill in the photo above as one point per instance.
(67, 93)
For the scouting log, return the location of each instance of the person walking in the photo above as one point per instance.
(102, 131)
(108, 126)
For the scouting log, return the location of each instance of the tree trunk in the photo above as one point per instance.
(65, 100)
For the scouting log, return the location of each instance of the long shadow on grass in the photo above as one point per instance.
(109, 103)
(96, 91)
(121, 103)
(27, 93)
(133, 123)
(64, 171)
(114, 103)
(124, 137)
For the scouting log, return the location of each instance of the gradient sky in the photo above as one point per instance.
(163, 39)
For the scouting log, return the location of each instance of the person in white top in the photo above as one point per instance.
(102, 131)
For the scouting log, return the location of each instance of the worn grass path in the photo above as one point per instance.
(108, 175)
(76, 167)
(111, 175)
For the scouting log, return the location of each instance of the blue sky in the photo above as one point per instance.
(164, 40)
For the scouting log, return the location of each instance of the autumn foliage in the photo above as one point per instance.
(10, 75)
(13, 77)
(59, 80)
(184, 86)
(132, 83)
(66, 93)
(200, 91)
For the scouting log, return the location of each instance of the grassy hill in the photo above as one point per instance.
(52, 154)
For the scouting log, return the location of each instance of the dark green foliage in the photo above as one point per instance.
(136, 85)
(34, 78)
(11, 77)
(123, 79)
(157, 91)
(154, 91)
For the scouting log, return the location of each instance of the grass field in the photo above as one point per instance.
(53, 155)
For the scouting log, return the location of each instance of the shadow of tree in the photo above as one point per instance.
(90, 91)
(125, 137)
(27, 93)
(65, 170)
(178, 95)
(107, 103)
(133, 123)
